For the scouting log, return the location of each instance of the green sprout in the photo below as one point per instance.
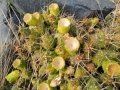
(73, 85)
(54, 9)
(80, 72)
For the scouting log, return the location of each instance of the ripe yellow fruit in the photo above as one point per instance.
(58, 63)
(29, 19)
(63, 25)
(72, 44)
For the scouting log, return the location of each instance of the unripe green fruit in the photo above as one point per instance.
(42, 70)
(58, 63)
(103, 55)
(45, 15)
(117, 79)
(54, 9)
(63, 25)
(40, 23)
(99, 39)
(25, 74)
(79, 73)
(13, 76)
(73, 85)
(116, 40)
(112, 68)
(106, 78)
(60, 50)
(69, 70)
(92, 85)
(94, 21)
(99, 57)
(25, 32)
(48, 41)
(36, 32)
(63, 86)
(50, 69)
(38, 17)
(110, 87)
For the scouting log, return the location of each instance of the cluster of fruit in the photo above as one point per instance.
(60, 53)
